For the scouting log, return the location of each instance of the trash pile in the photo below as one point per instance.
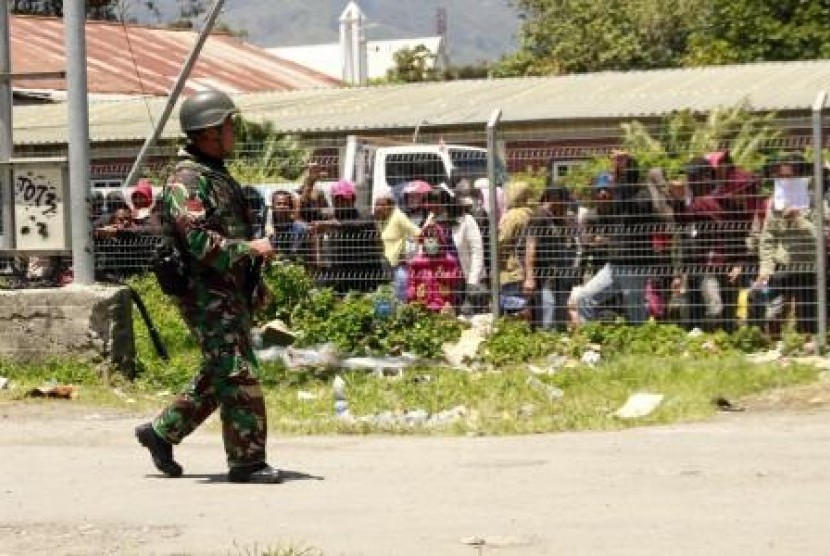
(273, 342)
(54, 390)
(50, 389)
(279, 339)
(391, 419)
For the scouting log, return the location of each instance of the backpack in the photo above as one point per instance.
(168, 263)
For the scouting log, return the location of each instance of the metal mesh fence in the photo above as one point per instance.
(702, 222)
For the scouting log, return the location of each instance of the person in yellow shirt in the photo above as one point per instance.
(395, 229)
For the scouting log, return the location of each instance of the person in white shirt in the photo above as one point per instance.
(468, 245)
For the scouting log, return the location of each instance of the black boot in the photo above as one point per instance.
(259, 473)
(160, 449)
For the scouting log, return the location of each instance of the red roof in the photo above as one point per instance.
(227, 63)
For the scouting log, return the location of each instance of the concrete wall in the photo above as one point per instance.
(91, 323)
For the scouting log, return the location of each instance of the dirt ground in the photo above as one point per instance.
(73, 481)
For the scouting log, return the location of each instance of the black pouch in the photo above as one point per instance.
(170, 270)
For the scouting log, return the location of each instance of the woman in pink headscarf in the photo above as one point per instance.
(144, 218)
(434, 273)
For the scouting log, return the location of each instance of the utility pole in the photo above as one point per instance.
(6, 127)
(83, 256)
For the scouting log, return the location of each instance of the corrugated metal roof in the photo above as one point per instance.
(37, 44)
(780, 86)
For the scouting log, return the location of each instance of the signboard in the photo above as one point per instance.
(40, 220)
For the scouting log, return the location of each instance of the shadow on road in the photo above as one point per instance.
(287, 477)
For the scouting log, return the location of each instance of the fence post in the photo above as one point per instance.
(821, 249)
(492, 154)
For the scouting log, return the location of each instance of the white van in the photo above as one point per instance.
(378, 171)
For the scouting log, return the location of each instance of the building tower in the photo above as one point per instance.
(353, 44)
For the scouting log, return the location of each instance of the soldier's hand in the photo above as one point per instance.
(262, 248)
(262, 296)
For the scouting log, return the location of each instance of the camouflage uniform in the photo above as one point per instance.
(207, 215)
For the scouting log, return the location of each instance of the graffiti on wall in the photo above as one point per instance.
(39, 218)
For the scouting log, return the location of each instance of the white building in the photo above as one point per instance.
(327, 58)
(346, 59)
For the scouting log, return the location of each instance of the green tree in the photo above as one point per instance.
(96, 9)
(192, 11)
(757, 30)
(413, 65)
(189, 12)
(264, 155)
(480, 70)
(681, 136)
(571, 36)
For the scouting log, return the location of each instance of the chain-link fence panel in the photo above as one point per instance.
(703, 222)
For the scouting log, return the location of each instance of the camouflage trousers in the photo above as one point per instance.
(227, 380)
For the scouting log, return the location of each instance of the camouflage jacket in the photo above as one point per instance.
(207, 215)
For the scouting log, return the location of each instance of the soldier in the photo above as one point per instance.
(207, 218)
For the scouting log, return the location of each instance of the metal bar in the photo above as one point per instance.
(6, 129)
(6, 75)
(492, 151)
(83, 258)
(175, 92)
(818, 191)
(349, 170)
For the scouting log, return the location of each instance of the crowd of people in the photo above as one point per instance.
(126, 233)
(429, 246)
(112, 216)
(708, 248)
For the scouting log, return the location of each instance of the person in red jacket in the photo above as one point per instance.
(717, 213)
(434, 273)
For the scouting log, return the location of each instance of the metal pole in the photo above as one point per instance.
(818, 191)
(83, 259)
(175, 92)
(492, 152)
(6, 128)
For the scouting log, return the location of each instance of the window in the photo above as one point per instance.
(472, 165)
(428, 167)
(562, 168)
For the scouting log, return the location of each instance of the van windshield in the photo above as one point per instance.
(402, 168)
(473, 165)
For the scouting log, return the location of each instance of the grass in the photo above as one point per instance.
(689, 371)
(257, 550)
(497, 402)
(505, 403)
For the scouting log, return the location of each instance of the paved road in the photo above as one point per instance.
(73, 481)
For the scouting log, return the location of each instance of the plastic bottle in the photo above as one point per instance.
(341, 404)
(384, 302)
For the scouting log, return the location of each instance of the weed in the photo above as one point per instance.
(257, 550)
(689, 370)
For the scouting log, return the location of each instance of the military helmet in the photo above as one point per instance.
(205, 109)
